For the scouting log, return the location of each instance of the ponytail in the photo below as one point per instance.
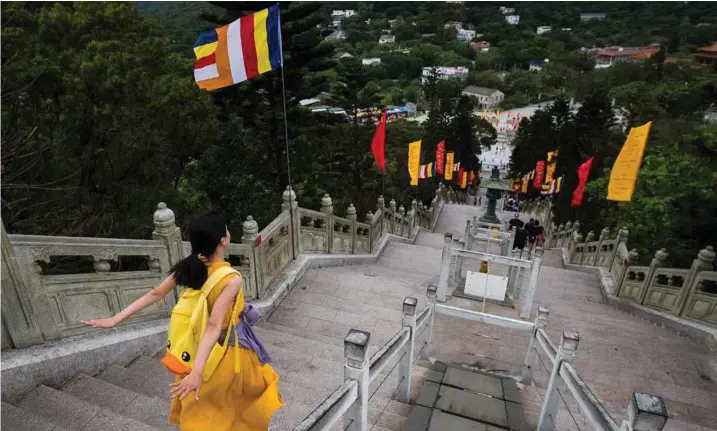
(190, 272)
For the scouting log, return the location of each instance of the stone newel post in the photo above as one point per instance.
(402, 212)
(392, 209)
(250, 237)
(290, 204)
(408, 352)
(356, 349)
(445, 268)
(327, 207)
(704, 262)
(622, 236)
(556, 385)
(541, 321)
(166, 231)
(660, 260)
(351, 215)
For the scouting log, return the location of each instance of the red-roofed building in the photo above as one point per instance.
(608, 57)
(708, 55)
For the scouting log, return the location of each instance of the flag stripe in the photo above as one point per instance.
(261, 41)
(273, 33)
(205, 50)
(248, 46)
(224, 78)
(207, 72)
(236, 54)
(205, 37)
(205, 61)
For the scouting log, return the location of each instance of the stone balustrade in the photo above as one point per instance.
(689, 293)
(39, 304)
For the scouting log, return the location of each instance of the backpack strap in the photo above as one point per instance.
(216, 277)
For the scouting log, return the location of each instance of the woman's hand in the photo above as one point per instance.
(110, 322)
(192, 382)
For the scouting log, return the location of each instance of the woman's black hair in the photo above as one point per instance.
(205, 233)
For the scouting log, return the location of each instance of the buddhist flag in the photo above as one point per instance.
(238, 51)
(547, 189)
(414, 161)
(552, 164)
(626, 167)
(457, 167)
(583, 174)
(526, 180)
(464, 179)
(470, 177)
(429, 170)
(558, 184)
(440, 157)
(539, 171)
(378, 144)
(449, 166)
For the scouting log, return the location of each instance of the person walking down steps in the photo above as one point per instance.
(223, 375)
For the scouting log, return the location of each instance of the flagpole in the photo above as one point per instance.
(288, 161)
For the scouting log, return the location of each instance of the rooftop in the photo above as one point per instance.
(709, 49)
(637, 52)
(483, 91)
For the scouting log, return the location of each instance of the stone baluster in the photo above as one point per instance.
(561, 234)
(513, 272)
(430, 302)
(392, 210)
(351, 215)
(532, 283)
(250, 237)
(356, 349)
(292, 206)
(660, 260)
(371, 227)
(26, 312)
(541, 321)
(381, 210)
(704, 262)
(409, 350)
(645, 413)
(445, 267)
(622, 236)
(574, 258)
(402, 212)
(568, 234)
(166, 231)
(414, 218)
(574, 237)
(554, 241)
(632, 258)
(604, 236)
(589, 238)
(327, 207)
(556, 385)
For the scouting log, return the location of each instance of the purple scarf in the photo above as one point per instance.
(246, 335)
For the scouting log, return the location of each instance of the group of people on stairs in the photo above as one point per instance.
(527, 235)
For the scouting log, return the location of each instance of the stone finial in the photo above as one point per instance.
(414, 205)
(448, 238)
(356, 348)
(351, 212)
(392, 205)
(706, 256)
(539, 252)
(542, 320)
(561, 227)
(604, 233)
(590, 237)
(579, 238)
(409, 306)
(576, 226)
(327, 205)
(569, 342)
(568, 225)
(163, 218)
(622, 235)
(402, 210)
(646, 412)
(289, 198)
(633, 255)
(380, 203)
(369, 217)
(250, 229)
(431, 291)
(661, 256)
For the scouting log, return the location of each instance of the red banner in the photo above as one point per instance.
(460, 175)
(539, 172)
(379, 142)
(440, 157)
(583, 174)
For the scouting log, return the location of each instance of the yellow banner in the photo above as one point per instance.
(463, 180)
(414, 161)
(449, 167)
(627, 166)
(550, 168)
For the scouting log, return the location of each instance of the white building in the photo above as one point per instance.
(507, 10)
(484, 98)
(444, 72)
(453, 24)
(566, 29)
(537, 65)
(341, 14)
(512, 19)
(466, 35)
(370, 61)
(392, 23)
(336, 35)
(387, 38)
(544, 29)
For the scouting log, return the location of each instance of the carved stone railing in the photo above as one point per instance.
(38, 305)
(688, 293)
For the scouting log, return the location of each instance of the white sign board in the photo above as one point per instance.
(486, 285)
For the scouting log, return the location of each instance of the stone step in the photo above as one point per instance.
(330, 351)
(149, 410)
(16, 419)
(150, 384)
(74, 413)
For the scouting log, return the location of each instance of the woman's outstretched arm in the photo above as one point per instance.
(138, 305)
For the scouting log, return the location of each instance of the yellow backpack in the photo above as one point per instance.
(187, 325)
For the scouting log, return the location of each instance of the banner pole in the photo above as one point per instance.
(288, 161)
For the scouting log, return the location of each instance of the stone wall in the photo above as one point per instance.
(689, 293)
(40, 305)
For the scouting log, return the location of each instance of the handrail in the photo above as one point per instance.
(586, 400)
(491, 257)
(546, 344)
(332, 409)
(381, 358)
(423, 317)
(490, 319)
